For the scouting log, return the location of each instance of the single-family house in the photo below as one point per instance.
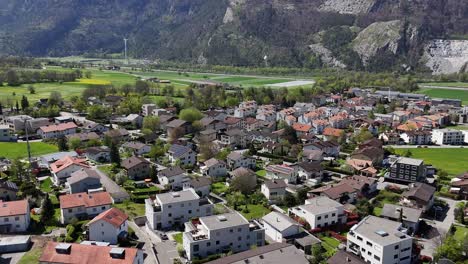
(108, 226)
(274, 190)
(183, 154)
(214, 168)
(14, 216)
(83, 205)
(279, 226)
(173, 177)
(64, 167)
(84, 180)
(137, 168)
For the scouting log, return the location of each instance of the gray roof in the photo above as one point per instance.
(49, 158)
(171, 172)
(275, 184)
(235, 155)
(178, 150)
(379, 230)
(212, 162)
(133, 161)
(8, 185)
(96, 150)
(176, 123)
(409, 214)
(279, 221)
(176, 197)
(310, 166)
(421, 191)
(320, 204)
(410, 161)
(215, 222)
(83, 174)
(200, 182)
(134, 145)
(276, 253)
(345, 257)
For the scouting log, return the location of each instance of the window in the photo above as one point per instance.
(94, 209)
(217, 242)
(239, 238)
(326, 216)
(377, 257)
(70, 210)
(208, 244)
(405, 258)
(195, 247)
(369, 243)
(103, 208)
(231, 231)
(189, 211)
(169, 215)
(395, 256)
(239, 229)
(359, 238)
(318, 218)
(6, 219)
(182, 205)
(333, 214)
(169, 206)
(397, 246)
(17, 218)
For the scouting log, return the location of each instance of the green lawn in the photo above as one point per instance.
(255, 211)
(461, 234)
(446, 93)
(261, 173)
(31, 257)
(460, 127)
(132, 209)
(178, 238)
(46, 185)
(13, 150)
(447, 84)
(377, 211)
(219, 187)
(330, 245)
(452, 160)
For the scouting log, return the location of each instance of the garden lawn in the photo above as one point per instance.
(132, 209)
(46, 185)
(219, 187)
(446, 93)
(452, 160)
(460, 127)
(261, 173)
(256, 211)
(178, 238)
(461, 233)
(330, 245)
(31, 257)
(12, 150)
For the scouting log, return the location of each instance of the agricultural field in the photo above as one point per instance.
(19, 150)
(446, 84)
(451, 160)
(446, 93)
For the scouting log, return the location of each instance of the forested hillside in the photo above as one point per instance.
(373, 35)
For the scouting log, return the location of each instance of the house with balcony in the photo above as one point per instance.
(109, 226)
(83, 206)
(64, 167)
(419, 196)
(320, 212)
(220, 234)
(173, 177)
(279, 226)
(166, 210)
(284, 172)
(214, 168)
(274, 190)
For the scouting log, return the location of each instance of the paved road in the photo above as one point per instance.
(150, 257)
(442, 226)
(166, 251)
(111, 186)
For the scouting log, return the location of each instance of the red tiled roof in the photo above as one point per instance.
(329, 131)
(85, 254)
(66, 162)
(112, 216)
(59, 127)
(301, 127)
(84, 199)
(14, 208)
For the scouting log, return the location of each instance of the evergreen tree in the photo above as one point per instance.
(1, 109)
(17, 107)
(47, 210)
(114, 154)
(62, 144)
(24, 103)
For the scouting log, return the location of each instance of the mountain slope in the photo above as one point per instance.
(233, 32)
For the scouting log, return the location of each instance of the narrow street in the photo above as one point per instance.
(140, 232)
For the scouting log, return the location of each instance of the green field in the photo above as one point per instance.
(446, 84)
(19, 150)
(461, 127)
(446, 93)
(452, 160)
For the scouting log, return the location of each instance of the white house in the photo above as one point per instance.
(447, 137)
(320, 211)
(237, 159)
(174, 177)
(285, 172)
(274, 190)
(83, 205)
(175, 208)
(136, 148)
(184, 154)
(108, 226)
(57, 131)
(417, 137)
(221, 233)
(380, 241)
(5, 134)
(201, 185)
(64, 167)
(310, 172)
(214, 168)
(279, 226)
(14, 216)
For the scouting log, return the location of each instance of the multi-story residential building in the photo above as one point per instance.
(137, 168)
(320, 212)
(380, 241)
(6, 135)
(146, 109)
(83, 205)
(279, 226)
(266, 114)
(64, 167)
(175, 208)
(201, 185)
(409, 217)
(310, 172)
(84, 180)
(329, 148)
(237, 159)
(465, 136)
(173, 177)
(245, 109)
(57, 131)
(17, 123)
(221, 233)
(184, 154)
(417, 137)
(447, 137)
(55, 253)
(274, 190)
(234, 138)
(285, 172)
(108, 226)
(14, 216)
(407, 169)
(214, 168)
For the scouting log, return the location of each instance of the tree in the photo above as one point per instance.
(407, 153)
(317, 254)
(364, 208)
(363, 135)
(141, 87)
(235, 199)
(17, 107)
(19, 171)
(289, 200)
(1, 109)
(151, 123)
(62, 144)
(222, 155)
(290, 135)
(47, 210)
(55, 99)
(74, 143)
(97, 112)
(12, 78)
(114, 154)
(24, 103)
(302, 195)
(190, 114)
(31, 89)
(244, 182)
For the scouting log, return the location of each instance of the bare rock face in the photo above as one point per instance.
(378, 36)
(326, 56)
(446, 56)
(354, 7)
(229, 15)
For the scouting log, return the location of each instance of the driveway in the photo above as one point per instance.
(440, 225)
(166, 251)
(112, 187)
(140, 232)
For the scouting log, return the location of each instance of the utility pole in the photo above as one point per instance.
(27, 141)
(125, 43)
